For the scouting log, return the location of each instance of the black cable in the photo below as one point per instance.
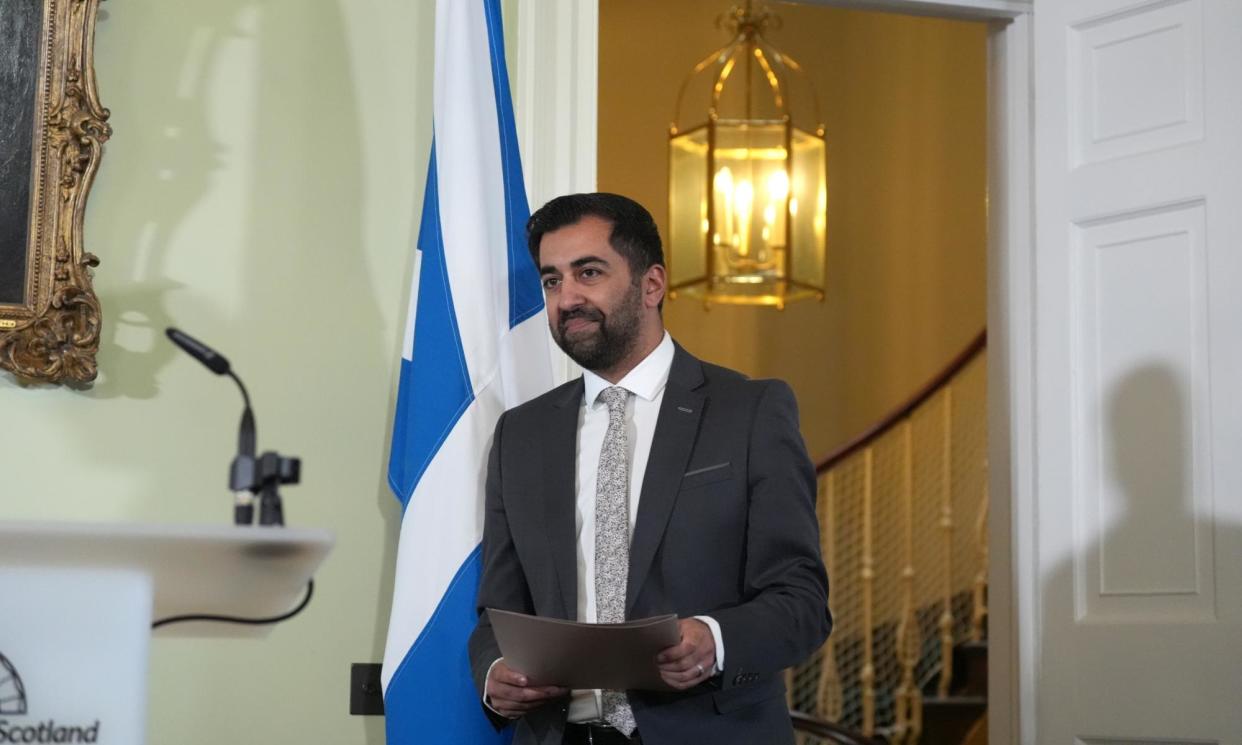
(245, 395)
(310, 590)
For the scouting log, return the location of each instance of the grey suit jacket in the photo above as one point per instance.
(726, 527)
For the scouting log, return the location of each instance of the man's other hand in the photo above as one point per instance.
(511, 695)
(689, 662)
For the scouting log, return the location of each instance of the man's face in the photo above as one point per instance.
(594, 305)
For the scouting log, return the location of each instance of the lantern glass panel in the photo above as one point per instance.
(750, 193)
(687, 260)
(808, 209)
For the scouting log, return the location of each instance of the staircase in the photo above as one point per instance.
(954, 717)
(903, 521)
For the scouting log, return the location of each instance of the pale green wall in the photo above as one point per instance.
(261, 190)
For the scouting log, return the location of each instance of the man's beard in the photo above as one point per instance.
(614, 336)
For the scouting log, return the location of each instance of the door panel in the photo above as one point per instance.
(1138, 267)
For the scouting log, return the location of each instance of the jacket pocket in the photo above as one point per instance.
(696, 477)
(740, 697)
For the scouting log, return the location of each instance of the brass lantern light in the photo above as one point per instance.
(748, 192)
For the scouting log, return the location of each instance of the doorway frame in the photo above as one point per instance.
(556, 102)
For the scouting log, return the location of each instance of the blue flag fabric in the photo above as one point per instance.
(476, 344)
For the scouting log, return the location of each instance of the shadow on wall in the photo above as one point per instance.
(1148, 573)
(286, 172)
(238, 161)
(161, 162)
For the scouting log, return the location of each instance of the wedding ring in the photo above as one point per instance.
(701, 670)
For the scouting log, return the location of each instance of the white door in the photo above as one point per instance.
(1138, 372)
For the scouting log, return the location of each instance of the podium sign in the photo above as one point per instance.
(76, 606)
(76, 645)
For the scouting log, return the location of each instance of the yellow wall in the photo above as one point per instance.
(261, 191)
(905, 109)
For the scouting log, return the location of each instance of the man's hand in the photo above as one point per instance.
(511, 695)
(689, 662)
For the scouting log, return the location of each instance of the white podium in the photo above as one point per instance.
(77, 601)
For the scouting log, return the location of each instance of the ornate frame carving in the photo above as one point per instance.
(54, 335)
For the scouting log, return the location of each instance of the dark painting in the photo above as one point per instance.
(21, 25)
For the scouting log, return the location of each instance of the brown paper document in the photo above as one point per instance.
(550, 651)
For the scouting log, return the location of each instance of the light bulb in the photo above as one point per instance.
(778, 185)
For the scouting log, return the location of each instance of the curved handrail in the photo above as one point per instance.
(825, 730)
(886, 423)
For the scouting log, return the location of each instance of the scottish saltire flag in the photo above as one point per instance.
(476, 344)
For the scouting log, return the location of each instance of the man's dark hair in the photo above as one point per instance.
(634, 233)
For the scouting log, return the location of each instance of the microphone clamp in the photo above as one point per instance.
(261, 476)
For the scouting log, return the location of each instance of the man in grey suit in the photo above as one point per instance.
(656, 483)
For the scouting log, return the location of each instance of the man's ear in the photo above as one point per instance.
(654, 285)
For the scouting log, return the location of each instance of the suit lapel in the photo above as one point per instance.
(559, 462)
(671, 445)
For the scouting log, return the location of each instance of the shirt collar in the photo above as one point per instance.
(646, 380)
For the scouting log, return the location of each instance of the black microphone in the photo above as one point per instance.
(243, 471)
(200, 351)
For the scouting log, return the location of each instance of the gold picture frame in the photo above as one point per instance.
(49, 314)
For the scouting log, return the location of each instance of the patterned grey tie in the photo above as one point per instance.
(612, 539)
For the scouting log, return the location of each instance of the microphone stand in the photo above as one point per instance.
(248, 475)
(242, 469)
